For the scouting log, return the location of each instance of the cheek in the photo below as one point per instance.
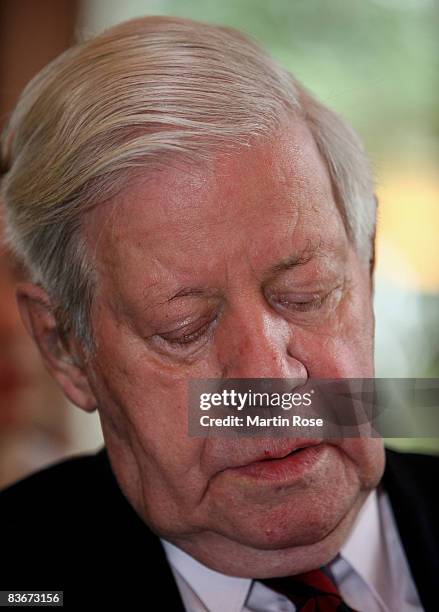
(367, 455)
(343, 354)
(341, 358)
(146, 408)
(144, 419)
(342, 347)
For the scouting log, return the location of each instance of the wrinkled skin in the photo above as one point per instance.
(272, 287)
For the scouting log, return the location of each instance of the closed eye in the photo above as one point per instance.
(307, 302)
(303, 305)
(187, 338)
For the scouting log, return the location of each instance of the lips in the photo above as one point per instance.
(284, 469)
(276, 449)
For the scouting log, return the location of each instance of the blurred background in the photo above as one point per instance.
(376, 63)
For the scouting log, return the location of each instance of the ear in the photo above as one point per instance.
(65, 365)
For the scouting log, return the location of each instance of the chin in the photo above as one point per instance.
(280, 542)
(305, 519)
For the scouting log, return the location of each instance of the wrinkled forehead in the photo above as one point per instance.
(184, 216)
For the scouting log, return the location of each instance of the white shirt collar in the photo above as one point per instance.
(365, 552)
(218, 592)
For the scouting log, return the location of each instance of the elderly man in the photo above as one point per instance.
(187, 210)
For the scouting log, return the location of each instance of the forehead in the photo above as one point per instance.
(188, 221)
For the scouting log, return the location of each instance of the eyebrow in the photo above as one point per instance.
(188, 291)
(298, 259)
(288, 263)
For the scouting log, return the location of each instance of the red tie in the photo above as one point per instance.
(312, 591)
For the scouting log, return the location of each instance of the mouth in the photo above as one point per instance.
(276, 450)
(287, 466)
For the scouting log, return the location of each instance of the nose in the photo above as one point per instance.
(255, 342)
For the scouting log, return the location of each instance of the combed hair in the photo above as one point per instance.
(129, 98)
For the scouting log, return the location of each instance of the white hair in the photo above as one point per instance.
(128, 98)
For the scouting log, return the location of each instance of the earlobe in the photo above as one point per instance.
(66, 367)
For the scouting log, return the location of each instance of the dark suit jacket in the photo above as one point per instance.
(70, 528)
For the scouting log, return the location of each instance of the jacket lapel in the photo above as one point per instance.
(409, 481)
(144, 571)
